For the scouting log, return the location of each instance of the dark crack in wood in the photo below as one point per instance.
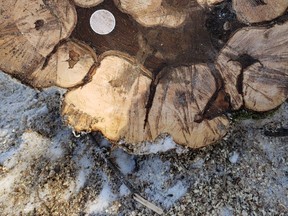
(245, 60)
(219, 103)
(49, 56)
(256, 3)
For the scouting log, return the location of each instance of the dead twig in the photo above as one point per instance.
(125, 181)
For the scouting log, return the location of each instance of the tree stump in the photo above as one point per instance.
(166, 67)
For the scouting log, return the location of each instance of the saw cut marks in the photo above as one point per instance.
(254, 63)
(66, 68)
(113, 102)
(165, 69)
(207, 3)
(181, 97)
(253, 11)
(29, 32)
(87, 3)
(153, 12)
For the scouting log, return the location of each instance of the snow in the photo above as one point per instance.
(155, 173)
(30, 149)
(123, 190)
(85, 168)
(125, 162)
(105, 143)
(197, 163)
(16, 106)
(234, 157)
(34, 141)
(163, 143)
(226, 211)
(173, 194)
(56, 151)
(105, 198)
(6, 155)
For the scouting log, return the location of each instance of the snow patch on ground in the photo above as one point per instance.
(125, 162)
(17, 105)
(173, 194)
(85, 167)
(234, 157)
(102, 202)
(226, 211)
(42, 165)
(155, 173)
(123, 190)
(163, 143)
(6, 155)
(32, 147)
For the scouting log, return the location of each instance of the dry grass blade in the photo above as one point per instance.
(148, 204)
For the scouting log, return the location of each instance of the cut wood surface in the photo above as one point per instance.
(87, 3)
(253, 11)
(29, 32)
(209, 2)
(171, 67)
(254, 63)
(154, 47)
(181, 97)
(153, 12)
(113, 102)
(66, 68)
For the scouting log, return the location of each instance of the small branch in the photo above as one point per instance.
(148, 204)
(125, 181)
(281, 132)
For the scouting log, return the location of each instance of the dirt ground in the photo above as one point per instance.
(46, 170)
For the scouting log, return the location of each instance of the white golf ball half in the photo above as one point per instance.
(102, 22)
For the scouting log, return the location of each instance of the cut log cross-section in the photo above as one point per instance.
(254, 63)
(181, 97)
(159, 69)
(115, 103)
(87, 3)
(154, 47)
(29, 32)
(67, 67)
(253, 11)
(153, 12)
(207, 3)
